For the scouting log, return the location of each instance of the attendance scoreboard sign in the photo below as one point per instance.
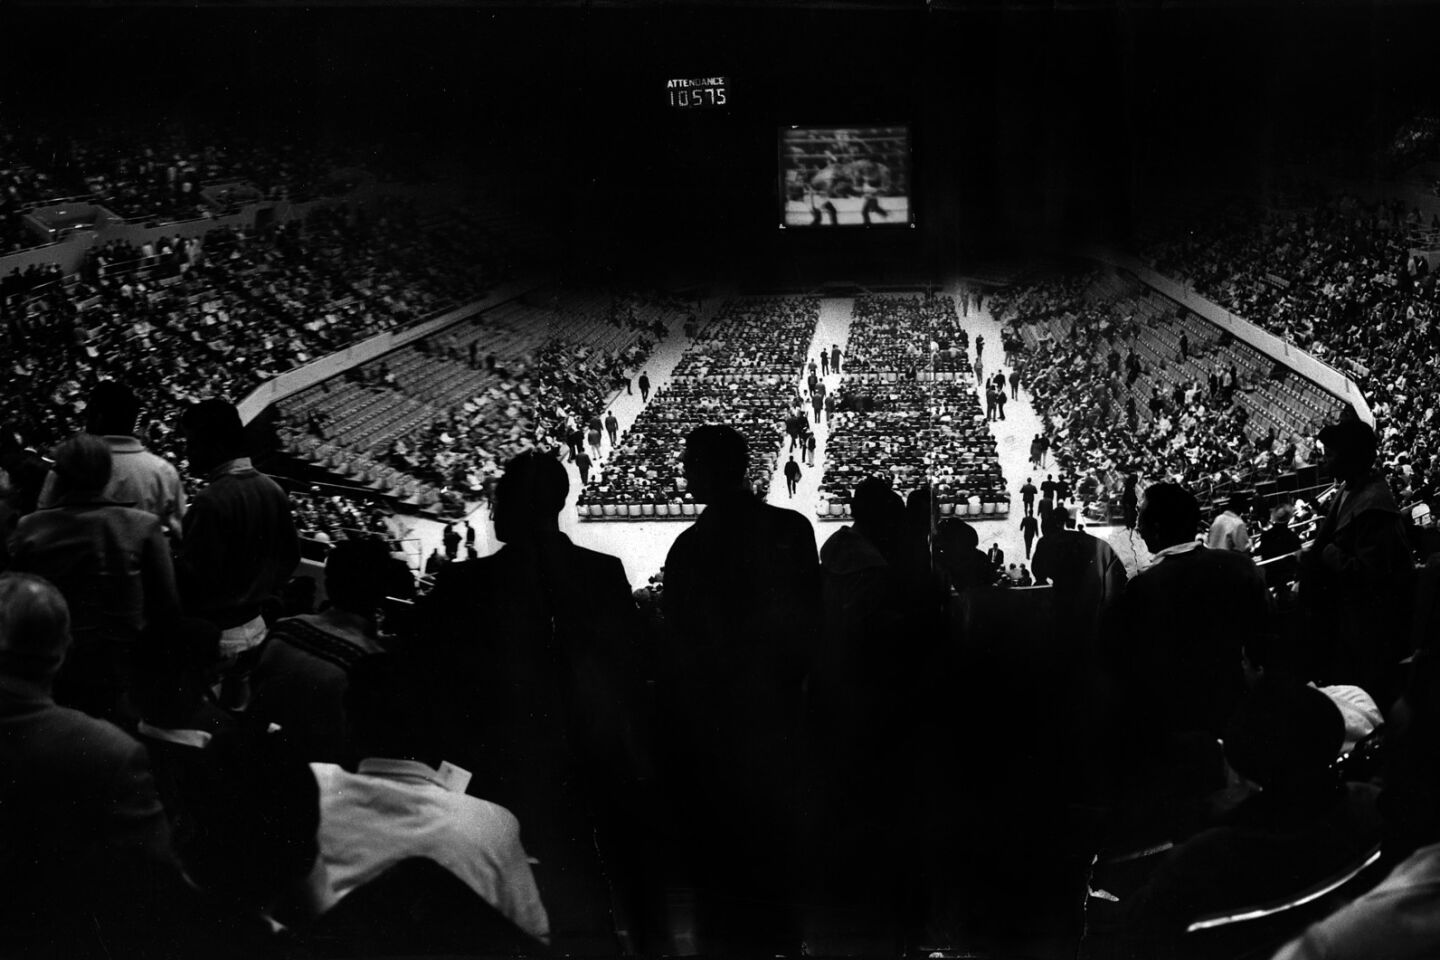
(697, 92)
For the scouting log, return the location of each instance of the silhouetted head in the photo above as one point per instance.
(112, 409)
(34, 628)
(213, 434)
(356, 575)
(716, 458)
(877, 509)
(1350, 448)
(529, 496)
(1169, 514)
(82, 467)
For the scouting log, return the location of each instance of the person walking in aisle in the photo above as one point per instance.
(824, 364)
(792, 476)
(612, 427)
(644, 387)
(1014, 384)
(810, 449)
(1027, 495)
(1029, 529)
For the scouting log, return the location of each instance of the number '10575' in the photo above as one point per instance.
(702, 97)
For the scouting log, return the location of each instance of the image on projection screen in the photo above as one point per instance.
(845, 176)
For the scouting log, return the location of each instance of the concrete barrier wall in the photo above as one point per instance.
(1305, 364)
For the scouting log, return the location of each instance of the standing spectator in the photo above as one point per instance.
(1044, 450)
(741, 606)
(824, 364)
(792, 476)
(1356, 577)
(1180, 628)
(138, 478)
(1014, 384)
(810, 449)
(469, 535)
(644, 386)
(84, 846)
(593, 438)
(1000, 401)
(612, 427)
(1035, 451)
(996, 556)
(542, 667)
(112, 565)
(979, 348)
(834, 358)
(1228, 531)
(1048, 489)
(451, 539)
(582, 465)
(239, 538)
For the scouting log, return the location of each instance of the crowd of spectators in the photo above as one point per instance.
(903, 335)
(756, 338)
(709, 778)
(888, 419)
(1126, 384)
(740, 371)
(1336, 278)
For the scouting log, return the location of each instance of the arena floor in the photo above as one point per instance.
(642, 545)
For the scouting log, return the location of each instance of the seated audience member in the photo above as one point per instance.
(240, 544)
(402, 801)
(138, 478)
(1357, 576)
(1176, 638)
(299, 680)
(1228, 531)
(113, 566)
(83, 840)
(1298, 826)
(1279, 540)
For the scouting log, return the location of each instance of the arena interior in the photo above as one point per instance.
(927, 478)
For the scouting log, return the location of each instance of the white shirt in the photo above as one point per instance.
(1228, 533)
(395, 809)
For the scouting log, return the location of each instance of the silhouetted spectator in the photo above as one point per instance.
(240, 544)
(545, 640)
(741, 607)
(1356, 577)
(113, 566)
(1087, 575)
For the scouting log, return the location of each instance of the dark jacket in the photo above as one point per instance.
(549, 638)
(240, 545)
(1177, 638)
(1357, 583)
(83, 840)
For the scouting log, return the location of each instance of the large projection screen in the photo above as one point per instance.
(850, 176)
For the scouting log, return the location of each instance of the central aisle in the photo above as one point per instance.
(832, 329)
